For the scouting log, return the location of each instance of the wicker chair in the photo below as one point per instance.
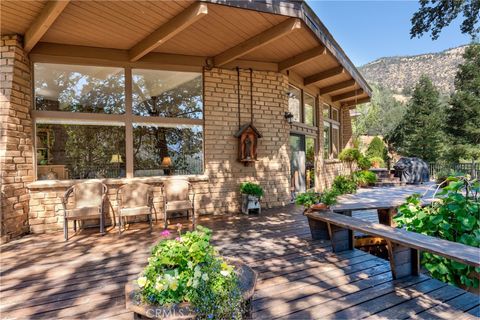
(178, 195)
(136, 199)
(89, 198)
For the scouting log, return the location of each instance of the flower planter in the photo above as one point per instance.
(250, 204)
(141, 310)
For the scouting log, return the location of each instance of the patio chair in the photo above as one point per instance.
(176, 198)
(136, 199)
(88, 204)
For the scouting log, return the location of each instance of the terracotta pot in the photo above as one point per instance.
(142, 310)
(319, 207)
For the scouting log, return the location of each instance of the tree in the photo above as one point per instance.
(379, 116)
(463, 115)
(434, 15)
(420, 132)
(376, 148)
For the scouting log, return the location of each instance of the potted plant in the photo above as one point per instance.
(317, 201)
(186, 278)
(251, 195)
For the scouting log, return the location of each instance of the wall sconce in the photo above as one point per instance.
(289, 117)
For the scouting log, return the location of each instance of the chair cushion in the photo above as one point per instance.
(179, 205)
(136, 211)
(84, 213)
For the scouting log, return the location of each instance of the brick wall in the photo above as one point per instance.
(272, 170)
(16, 152)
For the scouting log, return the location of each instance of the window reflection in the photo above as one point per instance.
(294, 103)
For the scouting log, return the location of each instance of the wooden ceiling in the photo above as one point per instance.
(217, 34)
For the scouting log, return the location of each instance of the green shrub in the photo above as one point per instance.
(344, 184)
(364, 177)
(454, 218)
(329, 196)
(364, 163)
(252, 189)
(188, 269)
(350, 155)
(307, 199)
(376, 148)
(377, 162)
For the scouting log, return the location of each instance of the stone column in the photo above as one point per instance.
(16, 143)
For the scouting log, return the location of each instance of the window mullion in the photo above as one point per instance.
(128, 123)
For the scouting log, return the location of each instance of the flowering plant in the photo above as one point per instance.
(188, 269)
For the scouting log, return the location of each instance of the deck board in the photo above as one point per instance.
(42, 277)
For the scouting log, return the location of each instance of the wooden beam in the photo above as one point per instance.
(302, 58)
(347, 95)
(337, 86)
(323, 75)
(42, 23)
(354, 103)
(168, 30)
(257, 41)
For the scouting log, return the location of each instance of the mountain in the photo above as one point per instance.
(401, 73)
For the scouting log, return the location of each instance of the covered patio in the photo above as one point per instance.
(44, 278)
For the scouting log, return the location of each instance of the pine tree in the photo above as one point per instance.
(420, 132)
(463, 116)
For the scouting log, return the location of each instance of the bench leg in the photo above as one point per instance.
(385, 216)
(342, 239)
(404, 261)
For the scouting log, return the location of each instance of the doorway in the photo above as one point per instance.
(302, 163)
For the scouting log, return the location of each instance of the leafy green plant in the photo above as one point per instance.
(329, 196)
(350, 155)
(252, 189)
(364, 178)
(455, 217)
(344, 184)
(188, 269)
(364, 163)
(377, 162)
(307, 199)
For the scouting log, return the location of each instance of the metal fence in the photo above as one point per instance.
(442, 168)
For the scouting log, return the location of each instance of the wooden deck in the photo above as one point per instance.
(44, 277)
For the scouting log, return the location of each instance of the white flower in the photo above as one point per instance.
(205, 277)
(142, 281)
(225, 273)
(159, 286)
(190, 265)
(195, 283)
(197, 273)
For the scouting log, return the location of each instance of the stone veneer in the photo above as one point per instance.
(16, 148)
(40, 210)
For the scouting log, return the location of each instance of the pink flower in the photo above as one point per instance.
(179, 225)
(165, 233)
(178, 239)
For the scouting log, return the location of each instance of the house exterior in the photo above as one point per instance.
(147, 91)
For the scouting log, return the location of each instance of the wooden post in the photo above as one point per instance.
(385, 216)
(404, 261)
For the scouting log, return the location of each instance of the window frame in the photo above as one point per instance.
(332, 123)
(126, 119)
(303, 92)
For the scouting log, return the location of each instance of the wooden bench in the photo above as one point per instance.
(403, 246)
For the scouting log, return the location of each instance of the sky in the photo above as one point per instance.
(368, 30)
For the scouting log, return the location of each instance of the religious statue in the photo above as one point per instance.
(247, 143)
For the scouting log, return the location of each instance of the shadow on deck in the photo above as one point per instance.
(44, 277)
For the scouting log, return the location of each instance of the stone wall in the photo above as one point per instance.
(16, 148)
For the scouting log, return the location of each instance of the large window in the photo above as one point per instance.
(331, 132)
(295, 103)
(302, 106)
(159, 120)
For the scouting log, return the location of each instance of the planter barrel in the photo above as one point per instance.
(318, 229)
(141, 310)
